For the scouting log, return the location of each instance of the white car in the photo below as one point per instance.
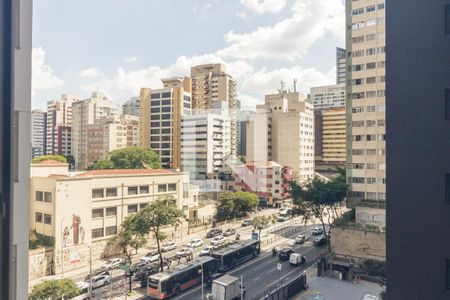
(207, 250)
(150, 257)
(100, 280)
(168, 246)
(113, 263)
(370, 297)
(184, 251)
(83, 286)
(218, 240)
(194, 243)
(300, 239)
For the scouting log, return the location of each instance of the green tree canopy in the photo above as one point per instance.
(129, 158)
(259, 222)
(59, 158)
(235, 204)
(54, 289)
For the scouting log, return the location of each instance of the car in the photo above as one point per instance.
(246, 223)
(167, 246)
(137, 266)
(184, 251)
(285, 253)
(207, 250)
(144, 272)
(229, 232)
(101, 271)
(213, 232)
(296, 259)
(218, 240)
(83, 286)
(100, 280)
(300, 239)
(320, 241)
(370, 297)
(317, 231)
(150, 257)
(113, 263)
(194, 243)
(282, 219)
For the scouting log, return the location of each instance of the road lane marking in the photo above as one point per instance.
(257, 278)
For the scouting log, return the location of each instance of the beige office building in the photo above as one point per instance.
(282, 130)
(160, 119)
(366, 160)
(108, 134)
(85, 209)
(85, 113)
(212, 83)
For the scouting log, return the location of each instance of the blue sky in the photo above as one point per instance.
(118, 46)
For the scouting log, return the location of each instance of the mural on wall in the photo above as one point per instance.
(76, 221)
(66, 233)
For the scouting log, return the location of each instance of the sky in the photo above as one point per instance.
(119, 46)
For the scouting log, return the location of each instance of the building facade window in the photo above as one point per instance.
(111, 192)
(97, 213)
(48, 197)
(132, 190)
(143, 189)
(97, 233)
(172, 187)
(47, 219)
(39, 196)
(111, 211)
(97, 193)
(110, 230)
(38, 217)
(162, 188)
(142, 205)
(133, 208)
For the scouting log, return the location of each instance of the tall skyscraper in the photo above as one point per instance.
(341, 65)
(366, 146)
(282, 130)
(160, 119)
(85, 113)
(132, 107)
(212, 83)
(328, 96)
(418, 160)
(59, 123)
(38, 132)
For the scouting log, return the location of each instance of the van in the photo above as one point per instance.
(296, 259)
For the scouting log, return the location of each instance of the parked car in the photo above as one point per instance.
(113, 263)
(229, 232)
(213, 232)
(184, 251)
(320, 241)
(317, 231)
(101, 271)
(167, 246)
(207, 250)
(194, 243)
(246, 223)
(218, 240)
(100, 280)
(285, 253)
(370, 297)
(282, 219)
(144, 272)
(83, 286)
(300, 239)
(137, 266)
(296, 259)
(150, 257)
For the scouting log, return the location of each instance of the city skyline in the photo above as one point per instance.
(261, 44)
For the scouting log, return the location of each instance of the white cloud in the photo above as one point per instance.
(264, 6)
(292, 37)
(91, 73)
(130, 59)
(241, 15)
(249, 102)
(42, 74)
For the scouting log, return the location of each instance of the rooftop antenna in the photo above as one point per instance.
(295, 85)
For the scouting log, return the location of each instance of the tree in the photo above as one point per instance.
(161, 213)
(225, 207)
(383, 295)
(59, 158)
(236, 204)
(259, 222)
(55, 289)
(320, 199)
(129, 158)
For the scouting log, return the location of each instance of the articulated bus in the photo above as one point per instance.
(179, 278)
(236, 254)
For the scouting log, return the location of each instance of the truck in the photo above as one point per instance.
(226, 287)
(296, 259)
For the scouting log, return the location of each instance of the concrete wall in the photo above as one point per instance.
(358, 243)
(40, 263)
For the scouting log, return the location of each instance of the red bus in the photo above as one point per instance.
(180, 278)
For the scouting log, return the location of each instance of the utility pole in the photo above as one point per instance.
(110, 284)
(202, 282)
(90, 272)
(242, 287)
(62, 249)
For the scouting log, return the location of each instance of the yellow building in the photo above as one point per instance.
(160, 119)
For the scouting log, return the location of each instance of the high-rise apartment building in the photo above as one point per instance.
(328, 96)
(85, 113)
(38, 132)
(108, 134)
(341, 65)
(160, 118)
(418, 160)
(366, 146)
(132, 107)
(211, 83)
(59, 123)
(282, 130)
(205, 141)
(330, 139)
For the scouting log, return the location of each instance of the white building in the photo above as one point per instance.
(85, 209)
(205, 141)
(84, 113)
(328, 96)
(38, 132)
